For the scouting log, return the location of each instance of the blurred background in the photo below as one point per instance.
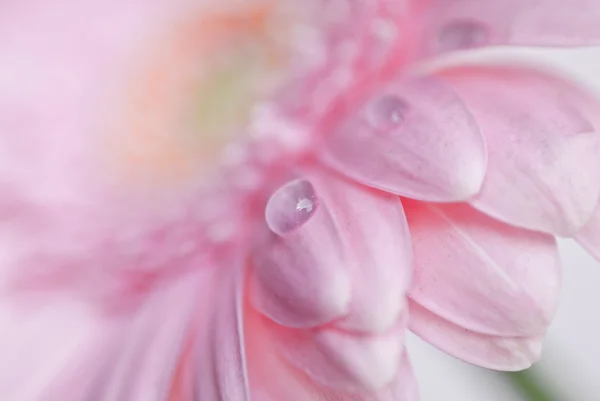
(570, 367)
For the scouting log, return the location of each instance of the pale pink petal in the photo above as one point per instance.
(492, 352)
(273, 378)
(481, 274)
(414, 138)
(219, 371)
(334, 249)
(378, 249)
(347, 361)
(544, 165)
(44, 342)
(54, 347)
(144, 355)
(62, 348)
(302, 278)
(365, 43)
(589, 235)
(460, 24)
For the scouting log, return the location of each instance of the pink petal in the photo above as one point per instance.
(492, 352)
(301, 279)
(66, 349)
(379, 249)
(342, 249)
(220, 368)
(460, 24)
(272, 378)
(142, 362)
(341, 360)
(44, 343)
(413, 138)
(589, 235)
(480, 274)
(544, 165)
(365, 42)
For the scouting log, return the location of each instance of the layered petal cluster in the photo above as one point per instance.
(254, 201)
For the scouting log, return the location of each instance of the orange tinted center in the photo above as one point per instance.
(194, 93)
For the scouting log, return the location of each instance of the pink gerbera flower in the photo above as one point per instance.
(226, 200)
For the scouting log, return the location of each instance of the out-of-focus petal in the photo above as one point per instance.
(589, 235)
(480, 274)
(273, 378)
(459, 24)
(48, 347)
(544, 154)
(68, 349)
(414, 138)
(365, 42)
(492, 352)
(145, 354)
(220, 367)
(335, 249)
(60, 67)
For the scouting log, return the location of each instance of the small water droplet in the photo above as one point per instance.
(291, 206)
(387, 112)
(463, 34)
(304, 204)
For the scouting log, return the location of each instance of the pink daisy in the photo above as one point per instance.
(226, 200)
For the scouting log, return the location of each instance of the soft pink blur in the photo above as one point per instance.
(215, 201)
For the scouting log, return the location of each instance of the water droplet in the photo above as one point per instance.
(304, 204)
(387, 112)
(291, 206)
(463, 34)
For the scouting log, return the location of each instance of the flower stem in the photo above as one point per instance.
(529, 385)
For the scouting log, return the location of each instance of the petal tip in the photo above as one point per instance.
(468, 180)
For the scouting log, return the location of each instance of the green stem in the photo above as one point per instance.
(530, 386)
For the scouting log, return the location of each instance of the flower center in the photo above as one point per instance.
(196, 92)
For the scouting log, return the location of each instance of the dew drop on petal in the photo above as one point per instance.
(387, 112)
(291, 206)
(463, 34)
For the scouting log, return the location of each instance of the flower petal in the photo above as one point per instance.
(414, 138)
(364, 43)
(589, 235)
(341, 360)
(379, 249)
(65, 349)
(301, 279)
(544, 165)
(480, 274)
(143, 361)
(492, 352)
(273, 378)
(220, 369)
(44, 343)
(341, 249)
(460, 24)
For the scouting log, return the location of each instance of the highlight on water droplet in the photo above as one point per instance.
(291, 206)
(463, 34)
(387, 112)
